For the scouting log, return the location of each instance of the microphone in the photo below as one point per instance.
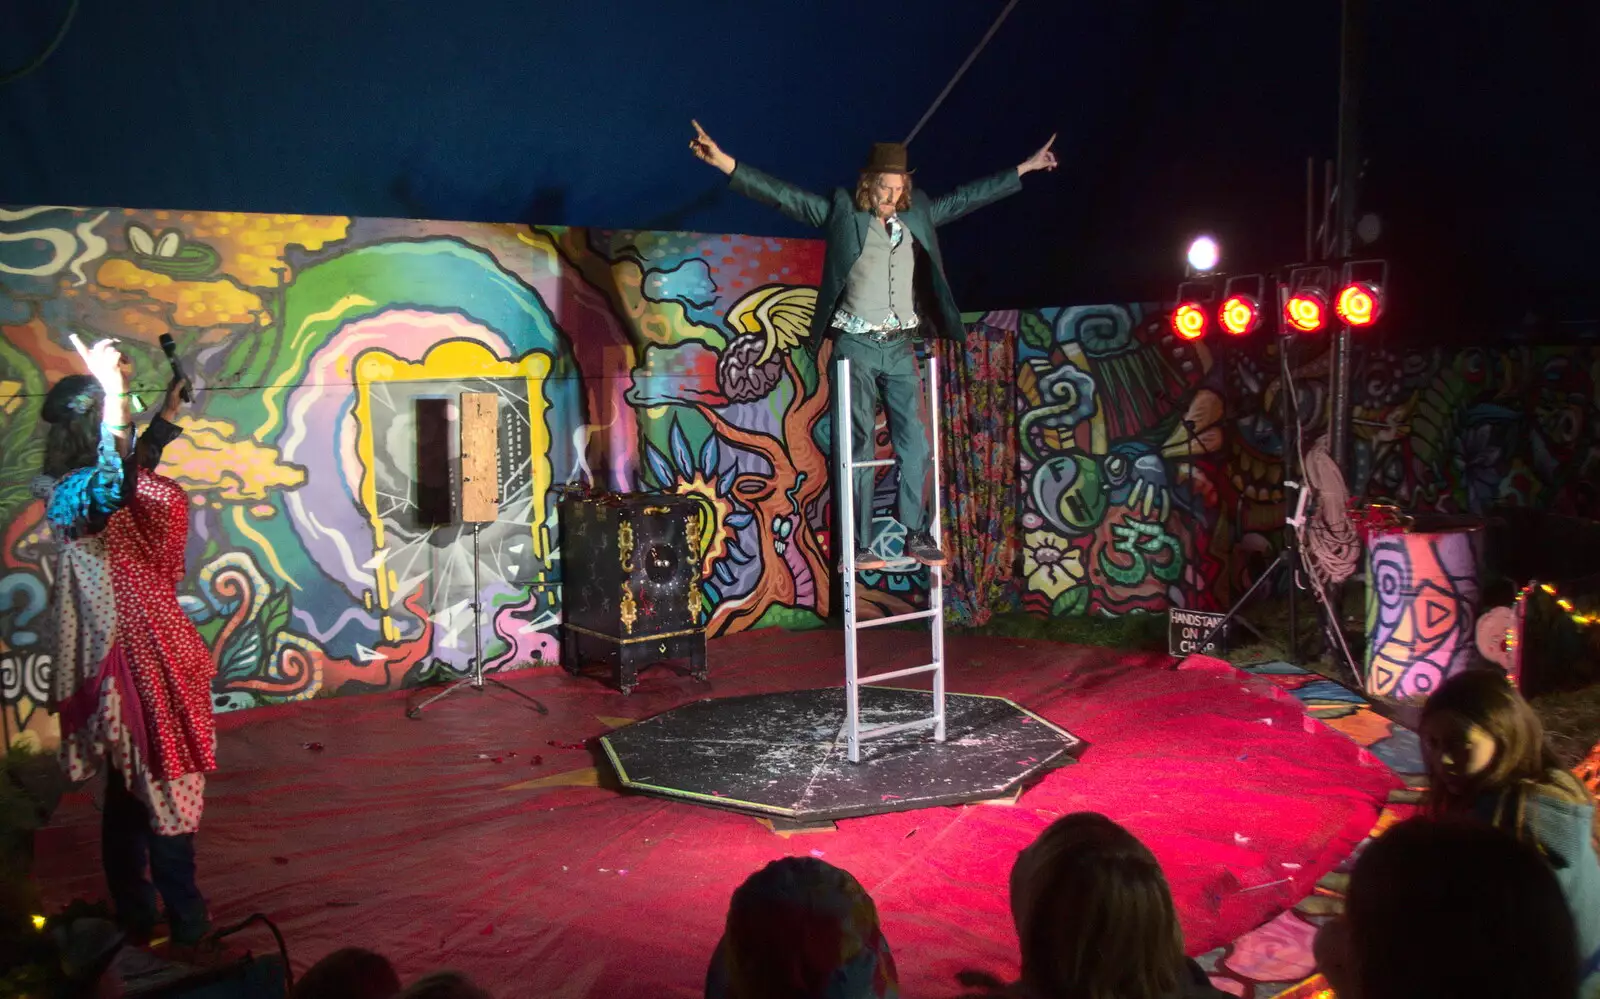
(170, 348)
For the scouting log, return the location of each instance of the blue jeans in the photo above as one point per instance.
(128, 845)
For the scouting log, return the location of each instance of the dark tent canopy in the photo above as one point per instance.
(1171, 117)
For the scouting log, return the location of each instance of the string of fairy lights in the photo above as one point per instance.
(1580, 618)
(1577, 616)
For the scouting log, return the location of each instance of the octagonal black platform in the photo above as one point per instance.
(783, 754)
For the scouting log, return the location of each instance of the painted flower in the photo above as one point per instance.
(716, 511)
(686, 474)
(1050, 563)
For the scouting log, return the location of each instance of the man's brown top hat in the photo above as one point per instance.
(887, 157)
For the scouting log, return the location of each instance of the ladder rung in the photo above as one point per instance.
(877, 621)
(882, 730)
(872, 464)
(874, 678)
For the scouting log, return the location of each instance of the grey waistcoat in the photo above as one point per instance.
(881, 278)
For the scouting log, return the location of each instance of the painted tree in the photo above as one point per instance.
(786, 497)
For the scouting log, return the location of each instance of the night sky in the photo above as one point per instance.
(1478, 126)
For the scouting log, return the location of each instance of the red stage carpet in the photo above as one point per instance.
(425, 840)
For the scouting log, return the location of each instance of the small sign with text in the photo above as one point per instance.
(1186, 629)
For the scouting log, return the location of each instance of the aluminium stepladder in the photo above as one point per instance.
(844, 466)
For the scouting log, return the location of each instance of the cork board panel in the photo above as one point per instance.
(480, 467)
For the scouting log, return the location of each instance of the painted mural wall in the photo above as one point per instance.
(1148, 468)
(1464, 431)
(1151, 468)
(1127, 503)
(636, 361)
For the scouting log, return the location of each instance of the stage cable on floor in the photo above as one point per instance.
(953, 80)
(283, 948)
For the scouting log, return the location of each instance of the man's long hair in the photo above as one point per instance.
(866, 199)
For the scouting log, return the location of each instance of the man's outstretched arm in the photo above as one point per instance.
(795, 202)
(970, 197)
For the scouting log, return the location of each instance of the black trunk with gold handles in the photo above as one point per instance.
(631, 583)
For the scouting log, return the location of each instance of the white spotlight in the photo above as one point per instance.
(1203, 254)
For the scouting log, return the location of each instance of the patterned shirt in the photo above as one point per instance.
(84, 499)
(848, 323)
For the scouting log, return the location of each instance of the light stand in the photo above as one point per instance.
(1289, 555)
(480, 504)
(1288, 558)
(476, 678)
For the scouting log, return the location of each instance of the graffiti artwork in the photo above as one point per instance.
(1123, 470)
(633, 361)
(1148, 469)
(1422, 609)
(1460, 432)
(1151, 470)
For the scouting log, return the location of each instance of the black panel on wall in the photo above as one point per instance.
(434, 506)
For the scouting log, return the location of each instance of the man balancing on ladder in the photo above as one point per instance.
(883, 284)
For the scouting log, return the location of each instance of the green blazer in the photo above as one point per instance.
(846, 228)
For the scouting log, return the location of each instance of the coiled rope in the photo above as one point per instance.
(1330, 541)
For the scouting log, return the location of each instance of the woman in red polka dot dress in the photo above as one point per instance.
(131, 677)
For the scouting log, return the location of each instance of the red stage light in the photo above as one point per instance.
(1189, 321)
(1306, 311)
(1358, 304)
(1240, 314)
